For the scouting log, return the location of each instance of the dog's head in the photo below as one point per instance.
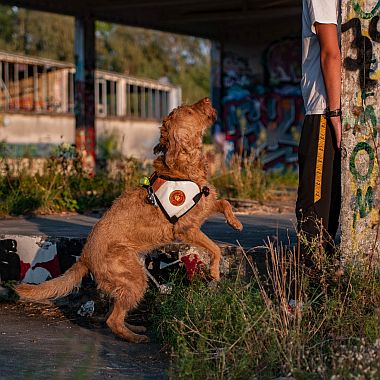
(183, 128)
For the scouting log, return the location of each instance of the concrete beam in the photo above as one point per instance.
(84, 46)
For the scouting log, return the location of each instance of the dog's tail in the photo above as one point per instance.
(55, 288)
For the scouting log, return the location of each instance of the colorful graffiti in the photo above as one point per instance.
(34, 260)
(267, 126)
(259, 119)
(283, 62)
(360, 125)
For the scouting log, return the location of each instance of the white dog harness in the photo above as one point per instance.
(174, 196)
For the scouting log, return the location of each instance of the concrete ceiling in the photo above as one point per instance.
(213, 19)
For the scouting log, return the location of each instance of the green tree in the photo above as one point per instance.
(184, 60)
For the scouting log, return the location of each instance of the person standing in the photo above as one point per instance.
(319, 192)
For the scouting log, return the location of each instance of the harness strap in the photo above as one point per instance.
(155, 182)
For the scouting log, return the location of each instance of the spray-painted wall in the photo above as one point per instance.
(262, 108)
(361, 113)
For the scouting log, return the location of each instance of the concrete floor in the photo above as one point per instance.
(35, 343)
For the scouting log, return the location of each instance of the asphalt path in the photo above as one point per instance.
(36, 342)
(257, 227)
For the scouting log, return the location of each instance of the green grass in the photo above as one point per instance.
(62, 185)
(241, 330)
(245, 178)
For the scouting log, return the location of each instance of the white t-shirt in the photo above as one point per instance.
(312, 84)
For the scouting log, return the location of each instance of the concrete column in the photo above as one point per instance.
(121, 97)
(64, 90)
(175, 98)
(84, 46)
(216, 76)
(35, 89)
(361, 115)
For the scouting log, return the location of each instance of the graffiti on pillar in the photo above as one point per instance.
(363, 202)
(264, 119)
(267, 125)
(361, 118)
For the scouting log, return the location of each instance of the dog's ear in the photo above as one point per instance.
(161, 147)
(180, 141)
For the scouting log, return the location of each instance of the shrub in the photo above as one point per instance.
(62, 184)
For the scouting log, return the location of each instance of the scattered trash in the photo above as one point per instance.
(192, 264)
(165, 289)
(7, 292)
(87, 309)
(4, 293)
(164, 265)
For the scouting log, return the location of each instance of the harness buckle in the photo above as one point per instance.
(150, 197)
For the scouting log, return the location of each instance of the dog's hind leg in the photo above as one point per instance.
(197, 238)
(224, 207)
(126, 282)
(116, 323)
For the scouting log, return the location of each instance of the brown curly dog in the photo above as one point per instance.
(133, 226)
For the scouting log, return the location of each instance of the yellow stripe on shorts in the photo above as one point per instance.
(320, 156)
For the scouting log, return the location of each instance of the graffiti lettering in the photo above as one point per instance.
(363, 206)
(264, 119)
(360, 51)
(354, 171)
(361, 13)
(266, 125)
(372, 29)
(362, 62)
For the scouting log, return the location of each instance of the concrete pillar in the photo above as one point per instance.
(64, 80)
(121, 106)
(216, 76)
(175, 98)
(84, 46)
(35, 89)
(361, 120)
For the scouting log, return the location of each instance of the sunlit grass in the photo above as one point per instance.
(245, 330)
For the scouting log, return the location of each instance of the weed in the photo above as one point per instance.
(61, 184)
(242, 178)
(246, 330)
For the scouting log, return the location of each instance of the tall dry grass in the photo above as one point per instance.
(246, 329)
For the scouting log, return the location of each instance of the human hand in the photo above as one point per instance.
(337, 125)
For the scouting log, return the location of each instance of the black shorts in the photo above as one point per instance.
(319, 191)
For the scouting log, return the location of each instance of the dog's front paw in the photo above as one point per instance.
(215, 274)
(235, 224)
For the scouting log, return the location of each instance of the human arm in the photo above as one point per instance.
(331, 69)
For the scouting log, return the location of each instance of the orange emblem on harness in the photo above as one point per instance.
(177, 198)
